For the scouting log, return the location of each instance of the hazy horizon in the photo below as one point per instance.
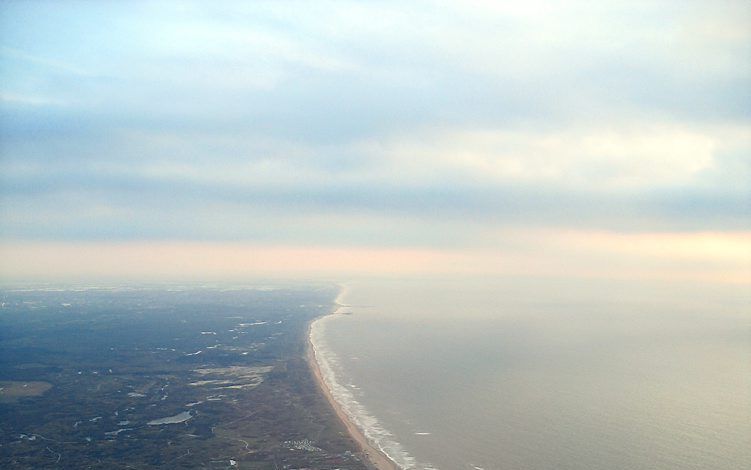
(541, 209)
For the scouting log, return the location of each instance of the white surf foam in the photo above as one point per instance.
(332, 375)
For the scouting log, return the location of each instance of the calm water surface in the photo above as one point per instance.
(546, 375)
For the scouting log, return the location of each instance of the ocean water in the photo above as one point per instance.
(479, 374)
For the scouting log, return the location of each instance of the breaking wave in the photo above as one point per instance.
(332, 374)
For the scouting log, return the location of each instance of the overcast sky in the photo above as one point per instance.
(467, 136)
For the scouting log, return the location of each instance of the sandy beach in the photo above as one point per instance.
(375, 458)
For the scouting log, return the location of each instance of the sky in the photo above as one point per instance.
(224, 140)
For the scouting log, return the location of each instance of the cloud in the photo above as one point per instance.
(30, 100)
(600, 159)
(55, 66)
(421, 125)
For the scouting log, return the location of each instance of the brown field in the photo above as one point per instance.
(11, 390)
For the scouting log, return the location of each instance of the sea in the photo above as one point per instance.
(484, 374)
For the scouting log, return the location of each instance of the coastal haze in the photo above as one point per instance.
(458, 374)
(538, 213)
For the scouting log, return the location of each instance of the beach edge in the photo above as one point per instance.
(374, 457)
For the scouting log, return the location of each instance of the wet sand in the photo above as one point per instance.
(375, 458)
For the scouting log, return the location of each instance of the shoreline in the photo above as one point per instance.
(374, 457)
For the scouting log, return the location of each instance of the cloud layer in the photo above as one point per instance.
(372, 124)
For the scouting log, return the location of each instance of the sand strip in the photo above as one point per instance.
(375, 457)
